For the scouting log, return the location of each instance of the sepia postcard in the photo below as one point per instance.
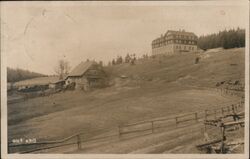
(125, 79)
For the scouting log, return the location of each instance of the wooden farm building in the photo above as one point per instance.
(38, 84)
(87, 75)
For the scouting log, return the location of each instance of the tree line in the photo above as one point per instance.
(14, 75)
(129, 58)
(232, 38)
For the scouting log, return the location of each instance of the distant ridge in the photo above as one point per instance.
(15, 75)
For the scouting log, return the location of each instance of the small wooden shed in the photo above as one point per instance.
(57, 84)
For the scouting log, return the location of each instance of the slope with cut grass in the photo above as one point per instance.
(154, 88)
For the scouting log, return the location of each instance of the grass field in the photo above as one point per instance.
(153, 88)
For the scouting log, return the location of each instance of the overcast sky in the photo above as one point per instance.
(35, 35)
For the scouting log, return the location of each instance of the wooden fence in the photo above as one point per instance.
(231, 92)
(238, 119)
(75, 139)
(150, 126)
(175, 122)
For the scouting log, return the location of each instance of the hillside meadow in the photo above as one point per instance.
(152, 88)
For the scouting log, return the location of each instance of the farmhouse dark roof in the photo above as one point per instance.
(80, 69)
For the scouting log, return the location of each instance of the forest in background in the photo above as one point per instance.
(232, 38)
(14, 75)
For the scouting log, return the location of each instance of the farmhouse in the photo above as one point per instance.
(174, 42)
(87, 75)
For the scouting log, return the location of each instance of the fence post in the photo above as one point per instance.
(233, 109)
(78, 142)
(240, 104)
(222, 111)
(196, 116)
(176, 121)
(228, 109)
(205, 115)
(242, 100)
(152, 125)
(223, 137)
(215, 116)
(119, 131)
(205, 126)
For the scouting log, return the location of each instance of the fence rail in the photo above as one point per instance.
(148, 125)
(194, 116)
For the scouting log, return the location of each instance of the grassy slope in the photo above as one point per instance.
(213, 67)
(152, 90)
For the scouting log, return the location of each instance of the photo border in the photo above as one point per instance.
(127, 156)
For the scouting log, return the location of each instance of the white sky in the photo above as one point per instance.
(35, 35)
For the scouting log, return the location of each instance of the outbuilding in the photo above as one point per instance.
(57, 84)
(35, 84)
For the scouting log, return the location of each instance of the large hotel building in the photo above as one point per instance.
(174, 42)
